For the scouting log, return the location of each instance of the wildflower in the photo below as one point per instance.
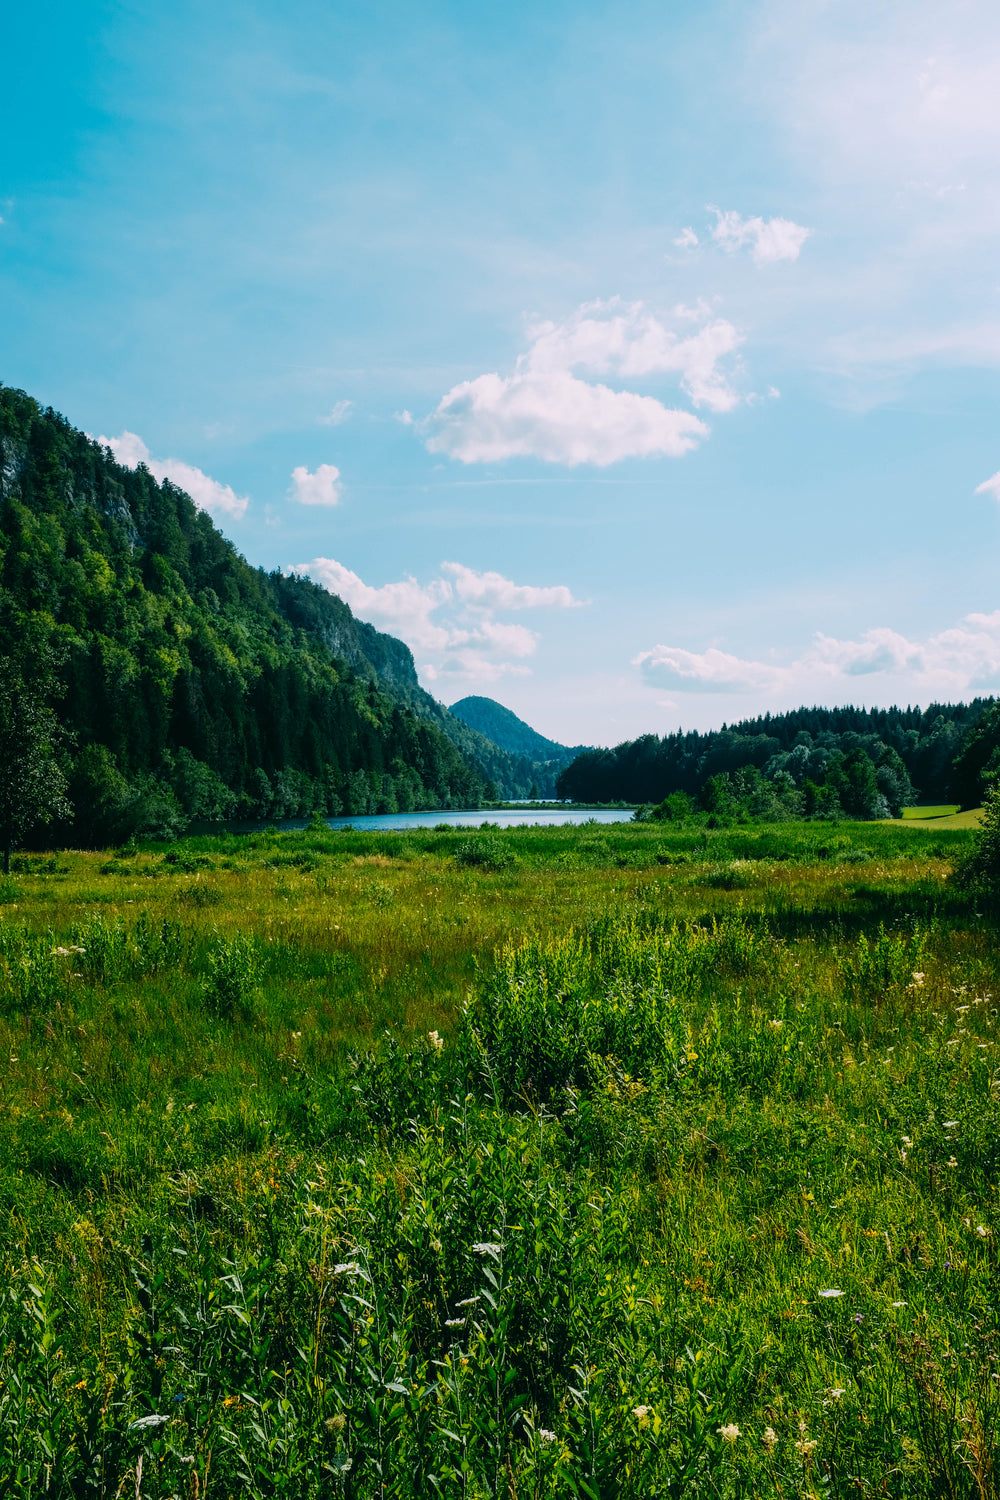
(487, 1248)
(899, 1304)
(546, 1435)
(769, 1439)
(805, 1446)
(347, 1268)
(641, 1414)
(467, 1302)
(337, 1423)
(836, 1393)
(858, 1318)
(436, 1246)
(981, 1231)
(951, 1162)
(435, 1041)
(918, 978)
(776, 1025)
(729, 1433)
(454, 1322)
(830, 1291)
(949, 1124)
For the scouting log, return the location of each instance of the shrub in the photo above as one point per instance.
(487, 851)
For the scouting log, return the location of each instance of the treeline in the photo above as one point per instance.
(189, 684)
(854, 762)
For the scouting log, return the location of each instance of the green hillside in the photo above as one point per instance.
(505, 729)
(189, 684)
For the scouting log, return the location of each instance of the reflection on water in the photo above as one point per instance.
(457, 818)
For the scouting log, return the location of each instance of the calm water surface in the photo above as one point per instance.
(508, 818)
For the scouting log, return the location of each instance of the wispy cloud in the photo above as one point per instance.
(546, 410)
(338, 413)
(319, 488)
(207, 493)
(990, 486)
(451, 622)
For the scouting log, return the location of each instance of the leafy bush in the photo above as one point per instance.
(485, 851)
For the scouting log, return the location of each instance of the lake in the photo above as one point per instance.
(509, 817)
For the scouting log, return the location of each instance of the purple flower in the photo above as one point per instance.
(858, 1318)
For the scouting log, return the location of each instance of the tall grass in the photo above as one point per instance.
(380, 1171)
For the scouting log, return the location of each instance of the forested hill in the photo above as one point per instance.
(799, 747)
(512, 734)
(190, 684)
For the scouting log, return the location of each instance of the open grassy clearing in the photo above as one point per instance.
(672, 1134)
(942, 817)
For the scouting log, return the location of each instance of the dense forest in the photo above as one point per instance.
(504, 728)
(187, 684)
(855, 762)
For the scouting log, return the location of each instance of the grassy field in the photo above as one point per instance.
(943, 817)
(596, 1161)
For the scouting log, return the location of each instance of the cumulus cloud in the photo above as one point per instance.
(768, 240)
(207, 493)
(547, 409)
(710, 671)
(493, 591)
(321, 488)
(990, 486)
(451, 622)
(960, 660)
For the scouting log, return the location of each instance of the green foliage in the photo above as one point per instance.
(485, 851)
(908, 748)
(32, 781)
(194, 686)
(979, 870)
(372, 1177)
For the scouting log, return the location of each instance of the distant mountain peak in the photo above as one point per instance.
(505, 729)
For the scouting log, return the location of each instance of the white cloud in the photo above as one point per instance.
(962, 660)
(625, 339)
(710, 671)
(207, 493)
(546, 410)
(990, 486)
(449, 622)
(338, 413)
(687, 239)
(559, 419)
(769, 240)
(321, 488)
(493, 591)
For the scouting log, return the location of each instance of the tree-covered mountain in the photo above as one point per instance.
(512, 734)
(803, 748)
(189, 684)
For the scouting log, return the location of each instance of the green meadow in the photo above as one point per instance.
(618, 1160)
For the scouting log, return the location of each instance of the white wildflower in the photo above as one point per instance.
(546, 1435)
(729, 1433)
(830, 1291)
(347, 1268)
(982, 1233)
(435, 1041)
(769, 1439)
(486, 1247)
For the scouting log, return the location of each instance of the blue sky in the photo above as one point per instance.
(638, 364)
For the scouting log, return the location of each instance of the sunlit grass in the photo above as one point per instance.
(360, 1169)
